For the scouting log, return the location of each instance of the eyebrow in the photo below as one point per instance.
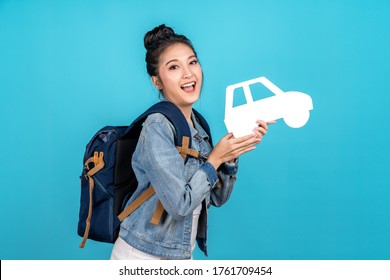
(175, 59)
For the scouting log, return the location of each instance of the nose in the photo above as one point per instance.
(187, 73)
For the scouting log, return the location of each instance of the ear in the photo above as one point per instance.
(156, 82)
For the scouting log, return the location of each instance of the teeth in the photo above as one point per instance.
(188, 85)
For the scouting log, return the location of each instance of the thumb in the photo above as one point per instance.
(228, 136)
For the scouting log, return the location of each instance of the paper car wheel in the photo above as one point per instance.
(297, 119)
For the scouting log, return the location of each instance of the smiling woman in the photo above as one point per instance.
(183, 189)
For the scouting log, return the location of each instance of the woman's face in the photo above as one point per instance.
(179, 75)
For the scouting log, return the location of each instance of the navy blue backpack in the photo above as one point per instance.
(108, 180)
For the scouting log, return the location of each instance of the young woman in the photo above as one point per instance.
(185, 190)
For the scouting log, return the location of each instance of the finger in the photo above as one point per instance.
(243, 138)
(260, 131)
(244, 150)
(262, 123)
(228, 136)
(245, 144)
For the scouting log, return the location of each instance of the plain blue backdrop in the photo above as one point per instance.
(67, 68)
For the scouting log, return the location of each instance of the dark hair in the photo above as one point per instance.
(156, 41)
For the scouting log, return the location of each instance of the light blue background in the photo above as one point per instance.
(67, 68)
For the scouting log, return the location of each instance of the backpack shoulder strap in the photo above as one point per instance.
(204, 124)
(183, 139)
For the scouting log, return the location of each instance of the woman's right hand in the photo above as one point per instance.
(230, 148)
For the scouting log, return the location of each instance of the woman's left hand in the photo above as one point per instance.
(262, 127)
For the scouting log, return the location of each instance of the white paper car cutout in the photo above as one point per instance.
(294, 107)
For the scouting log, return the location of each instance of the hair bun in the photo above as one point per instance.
(159, 33)
(156, 41)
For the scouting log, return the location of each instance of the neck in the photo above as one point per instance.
(185, 109)
(187, 112)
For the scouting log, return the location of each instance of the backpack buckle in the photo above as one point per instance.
(185, 150)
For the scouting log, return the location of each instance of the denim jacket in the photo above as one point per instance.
(180, 188)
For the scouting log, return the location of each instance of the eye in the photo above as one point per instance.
(173, 67)
(193, 62)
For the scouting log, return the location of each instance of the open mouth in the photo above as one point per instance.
(190, 87)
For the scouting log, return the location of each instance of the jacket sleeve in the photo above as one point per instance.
(227, 175)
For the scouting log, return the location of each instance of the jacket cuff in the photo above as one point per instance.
(230, 168)
(210, 172)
